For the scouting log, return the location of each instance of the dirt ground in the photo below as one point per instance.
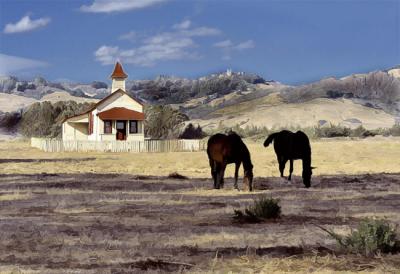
(123, 223)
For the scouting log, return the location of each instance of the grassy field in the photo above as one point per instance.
(371, 155)
(120, 213)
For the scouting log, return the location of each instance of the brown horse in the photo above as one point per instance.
(226, 149)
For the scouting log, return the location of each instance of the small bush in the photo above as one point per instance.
(371, 237)
(332, 131)
(362, 132)
(262, 208)
(176, 175)
(10, 120)
(191, 132)
(395, 130)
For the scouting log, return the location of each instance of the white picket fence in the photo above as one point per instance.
(57, 145)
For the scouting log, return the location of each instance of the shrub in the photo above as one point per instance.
(362, 132)
(176, 175)
(371, 237)
(332, 131)
(262, 208)
(395, 130)
(9, 120)
(190, 132)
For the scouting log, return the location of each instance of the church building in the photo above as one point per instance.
(116, 117)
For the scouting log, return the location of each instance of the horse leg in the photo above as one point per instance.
(219, 175)
(290, 170)
(282, 163)
(214, 173)
(237, 166)
(222, 173)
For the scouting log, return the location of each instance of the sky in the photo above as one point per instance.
(292, 42)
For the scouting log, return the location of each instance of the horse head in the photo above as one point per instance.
(307, 173)
(248, 177)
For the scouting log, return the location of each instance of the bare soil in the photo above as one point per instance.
(111, 223)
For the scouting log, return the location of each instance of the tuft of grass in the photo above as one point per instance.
(262, 208)
(176, 175)
(371, 237)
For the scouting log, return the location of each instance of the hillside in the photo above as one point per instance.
(370, 99)
(11, 102)
(272, 112)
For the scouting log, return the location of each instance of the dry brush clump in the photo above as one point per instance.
(176, 175)
(262, 208)
(372, 236)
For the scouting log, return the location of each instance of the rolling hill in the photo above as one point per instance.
(370, 99)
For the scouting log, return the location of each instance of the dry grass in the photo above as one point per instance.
(372, 155)
(302, 264)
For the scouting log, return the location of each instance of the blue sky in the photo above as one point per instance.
(288, 41)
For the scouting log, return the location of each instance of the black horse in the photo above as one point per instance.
(226, 149)
(292, 146)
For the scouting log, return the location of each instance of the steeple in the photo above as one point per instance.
(118, 78)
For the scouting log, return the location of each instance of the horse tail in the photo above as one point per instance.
(270, 138)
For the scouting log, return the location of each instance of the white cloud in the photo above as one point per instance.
(149, 53)
(170, 45)
(228, 47)
(107, 6)
(249, 44)
(223, 44)
(11, 64)
(106, 54)
(183, 25)
(130, 36)
(26, 24)
(201, 31)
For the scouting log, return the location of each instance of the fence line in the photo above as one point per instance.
(56, 145)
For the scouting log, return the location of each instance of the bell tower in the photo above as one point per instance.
(118, 78)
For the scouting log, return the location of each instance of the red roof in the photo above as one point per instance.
(118, 72)
(120, 114)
